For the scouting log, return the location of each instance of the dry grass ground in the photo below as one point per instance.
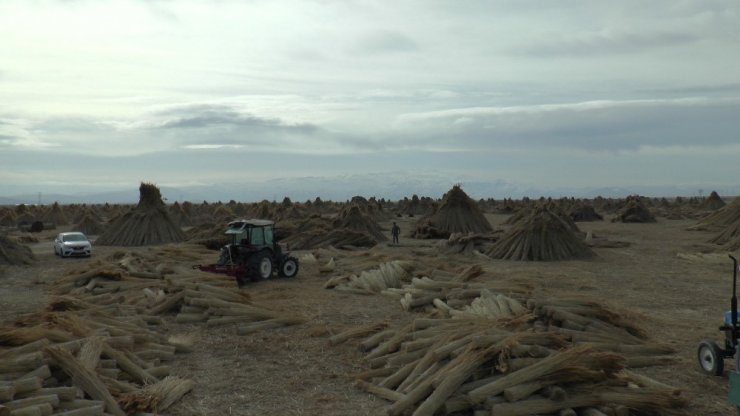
(294, 371)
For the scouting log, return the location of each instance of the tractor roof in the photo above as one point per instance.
(241, 224)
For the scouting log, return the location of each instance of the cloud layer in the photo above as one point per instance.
(556, 93)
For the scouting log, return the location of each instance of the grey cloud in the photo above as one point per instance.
(68, 125)
(201, 116)
(607, 126)
(385, 42)
(224, 125)
(193, 126)
(603, 43)
(733, 88)
(6, 140)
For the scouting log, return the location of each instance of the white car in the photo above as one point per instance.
(72, 244)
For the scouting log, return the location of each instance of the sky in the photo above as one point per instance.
(101, 94)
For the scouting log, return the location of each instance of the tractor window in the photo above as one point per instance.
(239, 238)
(257, 236)
(268, 235)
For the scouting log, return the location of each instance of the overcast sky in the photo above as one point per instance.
(103, 94)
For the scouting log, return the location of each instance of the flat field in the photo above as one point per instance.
(677, 294)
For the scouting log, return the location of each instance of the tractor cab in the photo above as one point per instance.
(253, 232)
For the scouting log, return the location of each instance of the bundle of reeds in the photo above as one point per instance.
(203, 304)
(457, 213)
(80, 359)
(13, 252)
(97, 347)
(352, 218)
(445, 366)
(388, 275)
(713, 202)
(149, 223)
(584, 212)
(56, 215)
(323, 237)
(89, 225)
(158, 396)
(192, 297)
(720, 219)
(468, 244)
(634, 210)
(544, 235)
(511, 354)
(455, 291)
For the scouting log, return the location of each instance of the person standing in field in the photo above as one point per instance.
(395, 231)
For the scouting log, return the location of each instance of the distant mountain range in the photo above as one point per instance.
(393, 186)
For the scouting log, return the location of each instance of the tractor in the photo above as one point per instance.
(711, 356)
(253, 253)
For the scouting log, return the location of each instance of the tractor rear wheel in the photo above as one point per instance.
(259, 266)
(288, 267)
(711, 360)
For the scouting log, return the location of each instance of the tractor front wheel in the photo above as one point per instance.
(259, 266)
(289, 267)
(711, 359)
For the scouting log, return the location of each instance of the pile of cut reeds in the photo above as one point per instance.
(634, 210)
(511, 354)
(193, 297)
(98, 347)
(14, 253)
(543, 235)
(454, 291)
(457, 213)
(202, 304)
(89, 225)
(720, 219)
(84, 361)
(149, 223)
(468, 244)
(387, 275)
(352, 218)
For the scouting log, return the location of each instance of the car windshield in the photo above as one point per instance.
(74, 237)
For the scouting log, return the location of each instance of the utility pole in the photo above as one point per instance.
(39, 198)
